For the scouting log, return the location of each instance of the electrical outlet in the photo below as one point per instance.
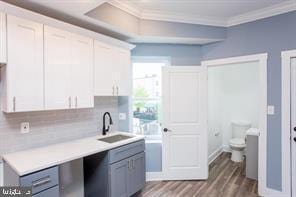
(25, 127)
(270, 110)
(122, 116)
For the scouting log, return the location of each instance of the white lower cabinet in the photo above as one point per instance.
(112, 70)
(22, 77)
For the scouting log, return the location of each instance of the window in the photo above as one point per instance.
(147, 99)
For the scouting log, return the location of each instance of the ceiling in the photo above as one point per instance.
(206, 12)
(207, 8)
(222, 13)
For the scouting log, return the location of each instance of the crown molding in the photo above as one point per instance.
(179, 18)
(127, 7)
(277, 9)
(274, 10)
(172, 40)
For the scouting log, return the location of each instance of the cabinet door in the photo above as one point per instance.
(82, 72)
(137, 171)
(52, 192)
(124, 69)
(24, 71)
(3, 38)
(104, 79)
(57, 68)
(119, 177)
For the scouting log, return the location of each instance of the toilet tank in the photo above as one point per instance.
(239, 128)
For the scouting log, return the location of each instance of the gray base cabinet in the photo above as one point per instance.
(119, 179)
(127, 176)
(119, 172)
(44, 183)
(137, 173)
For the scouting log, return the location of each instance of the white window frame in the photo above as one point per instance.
(145, 59)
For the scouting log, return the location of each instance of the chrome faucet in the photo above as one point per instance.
(106, 129)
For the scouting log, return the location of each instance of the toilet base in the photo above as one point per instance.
(237, 156)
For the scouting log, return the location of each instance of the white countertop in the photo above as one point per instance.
(253, 131)
(28, 161)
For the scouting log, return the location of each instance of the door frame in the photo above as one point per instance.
(262, 60)
(150, 176)
(286, 121)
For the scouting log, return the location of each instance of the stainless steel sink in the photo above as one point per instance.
(114, 138)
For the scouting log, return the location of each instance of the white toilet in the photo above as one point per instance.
(238, 141)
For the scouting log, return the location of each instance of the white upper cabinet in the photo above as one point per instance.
(3, 57)
(22, 77)
(45, 68)
(57, 51)
(82, 66)
(123, 64)
(112, 70)
(103, 83)
(68, 70)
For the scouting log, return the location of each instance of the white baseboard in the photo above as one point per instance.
(154, 176)
(268, 192)
(226, 148)
(215, 154)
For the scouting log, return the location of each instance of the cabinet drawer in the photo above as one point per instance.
(125, 151)
(52, 192)
(41, 180)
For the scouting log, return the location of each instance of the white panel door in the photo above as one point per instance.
(293, 124)
(57, 50)
(103, 70)
(24, 71)
(82, 72)
(122, 72)
(185, 154)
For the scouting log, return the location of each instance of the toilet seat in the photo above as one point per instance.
(237, 142)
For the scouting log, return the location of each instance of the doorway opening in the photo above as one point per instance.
(233, 117)
(237, 102)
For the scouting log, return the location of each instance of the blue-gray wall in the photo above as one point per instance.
(271, 35)
(189, 55)
(179, 55)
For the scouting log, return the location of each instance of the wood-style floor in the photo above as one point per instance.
(226, 179)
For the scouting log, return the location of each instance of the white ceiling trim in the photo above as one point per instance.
(263, 13)
(172, 17)
(127, 7)
(202, 20)
(172, 40)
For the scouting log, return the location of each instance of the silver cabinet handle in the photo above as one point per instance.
(70, 103)
(133, 163)
(14, 101)
(41, 181)
(113, 90)
(128, 164)
(117, 90)
(76, 102)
